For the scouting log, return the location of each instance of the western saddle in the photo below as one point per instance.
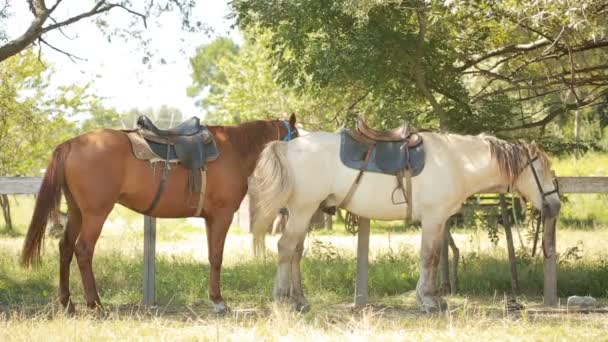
(189, 127)
(395, 134)
(190, 143)
(399, 134)
(389, 148)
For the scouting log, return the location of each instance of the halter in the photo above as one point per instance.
(290, 133)
(540, 187)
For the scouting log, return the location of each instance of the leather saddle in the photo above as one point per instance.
(390, 152)
(397, 152)
(189, 143)
(191, 126)
(400, 134)
(395, 134)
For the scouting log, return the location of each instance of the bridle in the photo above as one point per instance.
(291, 133)
(537, 180)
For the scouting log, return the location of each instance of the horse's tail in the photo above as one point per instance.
(47, 203)
(269, 189)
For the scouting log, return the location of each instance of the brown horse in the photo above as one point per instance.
(98, 169)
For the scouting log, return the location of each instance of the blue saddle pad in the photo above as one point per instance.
(192, 151)
(387, 157)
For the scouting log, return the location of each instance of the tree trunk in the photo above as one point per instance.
(6, 212)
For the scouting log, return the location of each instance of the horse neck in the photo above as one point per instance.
(249, 139)
(482, 170)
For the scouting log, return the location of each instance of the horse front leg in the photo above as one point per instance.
(430, 251)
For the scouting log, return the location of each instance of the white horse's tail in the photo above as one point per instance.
(269, 190)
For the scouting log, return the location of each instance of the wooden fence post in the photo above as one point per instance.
(149, 260)
(362, 262)
(550, 264)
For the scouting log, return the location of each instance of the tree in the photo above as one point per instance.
(207, 75)
(35, 118)
(468, 66)
(46, 18)
(242, 87)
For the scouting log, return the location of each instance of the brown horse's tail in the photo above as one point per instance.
(47, 203)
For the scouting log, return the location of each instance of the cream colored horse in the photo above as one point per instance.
(302, 173)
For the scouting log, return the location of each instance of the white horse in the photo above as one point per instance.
(302, 173)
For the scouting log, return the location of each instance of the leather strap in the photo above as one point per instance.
(408, 188)
(201, 198)
(355, 185)
(161, 186)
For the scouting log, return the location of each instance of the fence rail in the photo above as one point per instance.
(578, 185)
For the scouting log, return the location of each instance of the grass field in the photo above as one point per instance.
(28, 309)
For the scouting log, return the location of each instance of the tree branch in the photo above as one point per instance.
(16, 45)
(70, 56)
(556, 111)
(41, 14)
(142, 16)
(97, 9)
(504, 50)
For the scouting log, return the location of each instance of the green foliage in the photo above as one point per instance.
(35, 117)
(26, 128)
(207, 72)
(490, 65)
(242, 87)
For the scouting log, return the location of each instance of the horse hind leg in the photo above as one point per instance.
(84, 250)
(426, 289)
(66, 252)
(297, 292)
(290, 247)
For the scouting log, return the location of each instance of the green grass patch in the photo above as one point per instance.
(326, 274)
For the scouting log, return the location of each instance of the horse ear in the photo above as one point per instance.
(292, 120)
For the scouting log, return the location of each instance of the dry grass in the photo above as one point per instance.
(465, 320)
(254, 317)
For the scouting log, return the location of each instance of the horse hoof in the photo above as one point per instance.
(220, 308)
(69, 307)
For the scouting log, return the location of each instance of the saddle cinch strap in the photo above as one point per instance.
(190, 144)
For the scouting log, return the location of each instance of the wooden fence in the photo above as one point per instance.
(567, 185)
(30, 185)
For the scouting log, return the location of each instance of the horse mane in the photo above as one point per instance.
(511, 156)
(250, 137)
